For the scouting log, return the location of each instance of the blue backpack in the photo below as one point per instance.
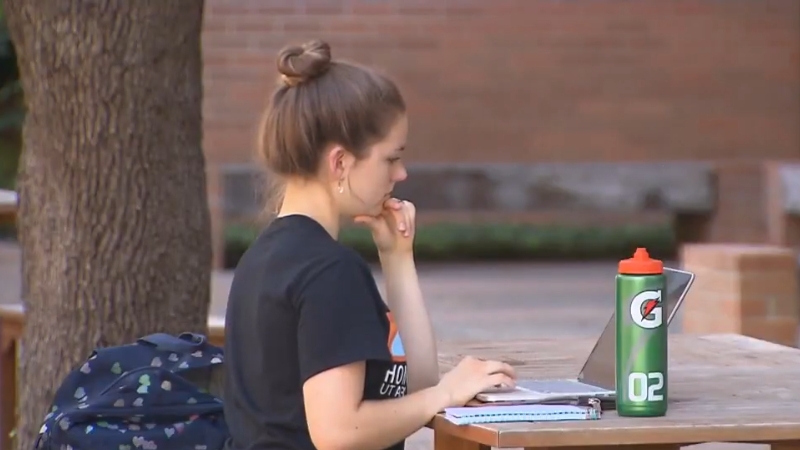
(139, 397)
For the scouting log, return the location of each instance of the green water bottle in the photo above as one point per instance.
(641, 322)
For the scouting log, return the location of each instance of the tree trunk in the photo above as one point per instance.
(113, 221)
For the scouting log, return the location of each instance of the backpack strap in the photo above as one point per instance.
(184, 343)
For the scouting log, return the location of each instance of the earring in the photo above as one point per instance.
(341, 188)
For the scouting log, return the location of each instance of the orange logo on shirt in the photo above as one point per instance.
(395, 344)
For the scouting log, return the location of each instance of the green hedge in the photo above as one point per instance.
(495, 242)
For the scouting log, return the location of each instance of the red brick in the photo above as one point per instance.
(780, 331)
(371, 7)
(547, 59)
(739, 259)
(746, 289)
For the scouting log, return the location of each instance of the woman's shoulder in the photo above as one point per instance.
(341, 260)
(294, 252)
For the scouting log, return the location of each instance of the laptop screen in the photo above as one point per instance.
(599, 367)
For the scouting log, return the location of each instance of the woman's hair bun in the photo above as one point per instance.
(300, 63)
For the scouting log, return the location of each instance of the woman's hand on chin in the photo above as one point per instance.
(393, 228)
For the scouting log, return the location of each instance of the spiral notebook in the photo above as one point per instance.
(469, 415)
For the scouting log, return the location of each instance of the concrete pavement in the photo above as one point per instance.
(467, 301)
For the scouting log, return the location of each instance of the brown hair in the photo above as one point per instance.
(319, 102)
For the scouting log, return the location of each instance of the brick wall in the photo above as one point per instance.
(542, 81)
(534, 80)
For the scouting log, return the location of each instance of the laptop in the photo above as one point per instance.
(597, 377)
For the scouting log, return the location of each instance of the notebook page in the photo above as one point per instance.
(465, 411)
(518, 413)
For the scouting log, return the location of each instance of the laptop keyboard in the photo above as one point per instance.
(558, 386)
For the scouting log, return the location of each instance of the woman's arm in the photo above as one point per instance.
(404, 296)
(338, 418)
(337, 332)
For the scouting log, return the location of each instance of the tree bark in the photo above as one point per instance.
(113, 222)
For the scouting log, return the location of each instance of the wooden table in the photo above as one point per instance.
(723, 388)
(12, 321)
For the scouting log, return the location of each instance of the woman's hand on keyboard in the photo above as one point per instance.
(472, 376)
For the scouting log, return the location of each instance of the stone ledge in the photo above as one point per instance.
(241, 190)
(789, 175)
(677, 187)
(623, 187)
(8, 201)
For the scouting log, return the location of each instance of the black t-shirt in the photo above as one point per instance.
(301, 303)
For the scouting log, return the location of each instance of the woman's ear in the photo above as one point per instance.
(338, 162)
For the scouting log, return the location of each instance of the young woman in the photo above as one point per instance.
(313, 355)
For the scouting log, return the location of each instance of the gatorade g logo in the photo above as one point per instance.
(646, 309)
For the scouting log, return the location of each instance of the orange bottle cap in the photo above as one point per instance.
(641, 264)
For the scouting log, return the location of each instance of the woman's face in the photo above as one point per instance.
(369, 182)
